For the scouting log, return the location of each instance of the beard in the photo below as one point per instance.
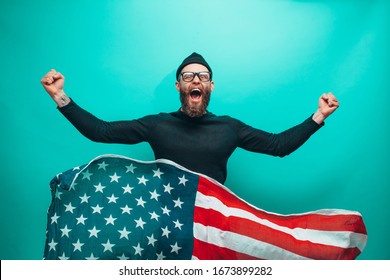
(197, 110)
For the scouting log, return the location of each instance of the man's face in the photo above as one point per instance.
(194, 95)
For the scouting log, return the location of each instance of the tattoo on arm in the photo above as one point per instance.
(62, 100)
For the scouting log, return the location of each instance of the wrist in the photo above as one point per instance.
(61, 99)
(318, 117)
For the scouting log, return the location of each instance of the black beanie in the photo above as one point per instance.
(193, 58)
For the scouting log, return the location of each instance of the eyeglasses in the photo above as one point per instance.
(189, 76)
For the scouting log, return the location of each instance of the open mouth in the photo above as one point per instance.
(196, 94)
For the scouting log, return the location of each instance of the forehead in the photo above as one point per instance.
(194, 67)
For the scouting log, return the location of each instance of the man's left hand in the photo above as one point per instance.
(327, 104)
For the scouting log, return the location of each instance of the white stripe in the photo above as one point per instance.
(344, 239)
(242, 244)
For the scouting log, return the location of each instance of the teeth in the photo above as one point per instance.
(196, 91)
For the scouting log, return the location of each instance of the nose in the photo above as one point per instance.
(196, 79)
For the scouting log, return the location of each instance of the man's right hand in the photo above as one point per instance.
(53, 82)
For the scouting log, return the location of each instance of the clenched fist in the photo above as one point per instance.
(327, 104)
(53, 82)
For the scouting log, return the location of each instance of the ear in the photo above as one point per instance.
(177, 86)
(211, 85)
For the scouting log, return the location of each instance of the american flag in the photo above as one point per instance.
(115, 207)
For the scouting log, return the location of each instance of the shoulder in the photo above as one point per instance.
(230, 122)
(157, 118)
(226, 119)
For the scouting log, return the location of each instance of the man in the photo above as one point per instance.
(192, 136)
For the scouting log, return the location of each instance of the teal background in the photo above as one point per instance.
(271, 61)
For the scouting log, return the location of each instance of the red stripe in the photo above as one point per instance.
(271, 236)
(339, 222)
(207, 251)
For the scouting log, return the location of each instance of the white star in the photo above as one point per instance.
(76, 168)
(130, 168)
(103, 165)
(142, 180)
(69, 207)
(127, 189)
(52, 245)
(87, 175)
(72, 187)
(63, 257)
(154, 216)
(114, 178)
(168, 188)
(93, 232)
(165, 210)
(123, 257)
(154, 195)
(84, 198)
(81, 219)
(112, 198)
(110, 220)
(160, 256)
(177, 224)
(151, 240)
(77, 245)
(65, 231)
(126, 209)
(97, 209)
(157, 173)
(166, 232)
(175, 248)
(58, 194)
(108, 246)
(140, 202)
(124, 233)
(91, 257)
(99, 187)
(182, 180)
(178, 203)
(138, 250)
(140, 223)
(54, 218)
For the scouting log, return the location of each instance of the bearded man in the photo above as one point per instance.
(192, 136)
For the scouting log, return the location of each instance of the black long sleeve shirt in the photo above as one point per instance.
(202, 144)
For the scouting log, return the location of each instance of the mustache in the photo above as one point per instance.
(196, 89)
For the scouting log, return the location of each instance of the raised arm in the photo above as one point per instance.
(95, 129)
(284, 143)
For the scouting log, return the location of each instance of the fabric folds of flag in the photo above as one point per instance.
(115, 207)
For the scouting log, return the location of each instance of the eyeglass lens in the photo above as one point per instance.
(189, 76)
